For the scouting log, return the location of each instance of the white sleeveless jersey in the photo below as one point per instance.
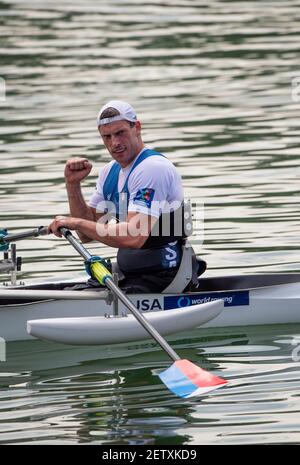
(154, 186)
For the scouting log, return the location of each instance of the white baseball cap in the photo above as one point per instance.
(125, 112)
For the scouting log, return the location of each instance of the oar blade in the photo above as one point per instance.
(185, 379)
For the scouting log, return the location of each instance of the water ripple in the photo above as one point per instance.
(213, 87)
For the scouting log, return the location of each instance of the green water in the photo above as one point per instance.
(213, 86)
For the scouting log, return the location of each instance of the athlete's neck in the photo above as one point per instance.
(124, 168)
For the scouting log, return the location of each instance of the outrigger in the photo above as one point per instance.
(183, 378)
(98, 317)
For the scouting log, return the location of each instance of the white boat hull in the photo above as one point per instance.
(115, 330)
(277, 303)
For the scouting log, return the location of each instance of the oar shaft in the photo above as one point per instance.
(120, 294)
(25, 234)
(75, 243)
(142, 320)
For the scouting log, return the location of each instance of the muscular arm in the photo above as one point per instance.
(132, 233)
(76, 170)
(80, 209)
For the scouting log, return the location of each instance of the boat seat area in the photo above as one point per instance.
(205, 284)
(241, 282)
(202, 266)
(190, 268)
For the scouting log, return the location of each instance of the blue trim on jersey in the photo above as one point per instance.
(165, 257)
(110, 187)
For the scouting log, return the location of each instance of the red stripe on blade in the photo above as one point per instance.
(197, 375)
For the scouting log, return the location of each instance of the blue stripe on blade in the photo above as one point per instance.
(177, 381)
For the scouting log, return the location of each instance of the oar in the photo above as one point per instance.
(183, 377)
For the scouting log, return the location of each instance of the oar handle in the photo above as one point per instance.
(75, 243)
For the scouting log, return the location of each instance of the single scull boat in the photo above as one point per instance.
(248, 300)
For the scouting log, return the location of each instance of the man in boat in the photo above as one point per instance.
(143, 190)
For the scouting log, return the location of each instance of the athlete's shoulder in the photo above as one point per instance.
(105, 169)
(159, 168)
(155, 170)
(157, 159)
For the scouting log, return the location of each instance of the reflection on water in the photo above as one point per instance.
(69, 395)
(212, 85)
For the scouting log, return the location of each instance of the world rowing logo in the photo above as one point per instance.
(183, 302)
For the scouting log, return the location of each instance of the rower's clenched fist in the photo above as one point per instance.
(77, 169)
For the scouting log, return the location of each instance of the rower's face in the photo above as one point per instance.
(122, 141)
